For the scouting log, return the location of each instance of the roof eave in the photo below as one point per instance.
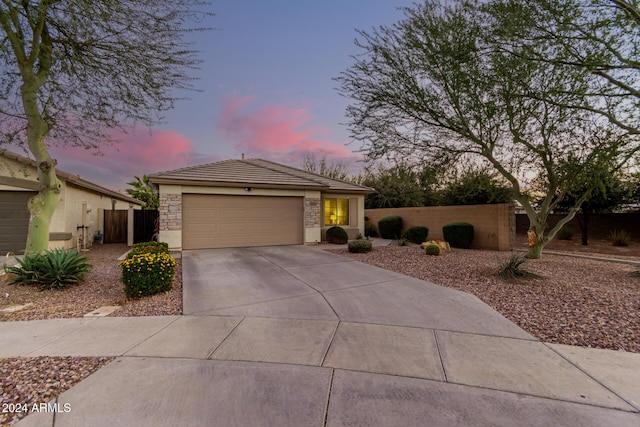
(199, 183)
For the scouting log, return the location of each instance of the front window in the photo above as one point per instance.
(336, 211)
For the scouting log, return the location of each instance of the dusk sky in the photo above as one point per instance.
(266, 91)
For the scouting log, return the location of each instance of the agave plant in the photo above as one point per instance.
(510, 269)
(54, 269)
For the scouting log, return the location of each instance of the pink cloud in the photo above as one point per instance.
(137, 153)
(276, 131)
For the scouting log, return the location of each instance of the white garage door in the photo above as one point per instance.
(216, 221)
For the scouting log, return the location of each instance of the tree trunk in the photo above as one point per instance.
(42, 205)
(585, 229)
(536, 244)
(535, 251)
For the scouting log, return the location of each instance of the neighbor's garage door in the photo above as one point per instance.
(216, 221)
(14, 221)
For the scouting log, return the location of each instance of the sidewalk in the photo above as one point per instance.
(191, 370)
(296, 336)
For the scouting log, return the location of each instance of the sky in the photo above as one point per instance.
(265, 86)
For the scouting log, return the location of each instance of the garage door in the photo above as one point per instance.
(15, 221)
(216, 221)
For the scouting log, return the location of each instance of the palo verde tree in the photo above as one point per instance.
(600, 37)
(439, 84)
(613, 191)
(73, 70)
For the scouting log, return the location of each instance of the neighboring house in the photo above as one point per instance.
(254, 202)
(79, 215)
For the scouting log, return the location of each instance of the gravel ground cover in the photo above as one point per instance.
(35, 380)
(577, 302)
(26, 382)
(102, 287)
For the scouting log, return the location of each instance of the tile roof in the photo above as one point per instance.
(256, 173)
(71, 178)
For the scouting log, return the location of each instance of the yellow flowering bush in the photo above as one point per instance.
(147, 274)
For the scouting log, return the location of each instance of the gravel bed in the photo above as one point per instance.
(102, 287)
(26, 382)
(30, 380)
(577, 302)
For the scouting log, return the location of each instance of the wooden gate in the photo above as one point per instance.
(115, 226)
(144, 225)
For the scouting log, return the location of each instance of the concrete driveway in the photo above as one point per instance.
(296, 336)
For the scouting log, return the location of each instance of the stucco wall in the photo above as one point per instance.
(356, 214)
(494, 225)
(171, 216)
(68, 215)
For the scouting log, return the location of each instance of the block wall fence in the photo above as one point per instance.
(494, 225)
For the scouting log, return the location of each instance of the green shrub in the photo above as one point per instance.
(432, 249)
(403, 242)
(54, 269)
(360, 246)
(416, 234)
(458, 234)
(370, 229)
(565, 233)
(148, 247)
(147, 274)
(337, 235)
(510, 269)
(619, 238)
(390, 227)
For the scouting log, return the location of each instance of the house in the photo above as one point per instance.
(254, 202)
(78, 216)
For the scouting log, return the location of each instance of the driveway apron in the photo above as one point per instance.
(297, 336)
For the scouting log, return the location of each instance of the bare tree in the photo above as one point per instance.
(335, 170)
(439, 84)
(72, 70)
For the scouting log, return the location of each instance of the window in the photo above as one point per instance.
(336, 211)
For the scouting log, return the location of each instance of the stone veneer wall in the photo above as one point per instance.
(170, 212)
(312, 213)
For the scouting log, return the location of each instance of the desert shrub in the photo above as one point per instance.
(403, 242)
(565, 233)
(360, 246)
(148, 247)
(54, 269)
(510, 269)
(370, 229)
(337, 235)
(458, 234)
(416, 234)
(432, 249)
(619, 238)
(390, 227)
(147, 274)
